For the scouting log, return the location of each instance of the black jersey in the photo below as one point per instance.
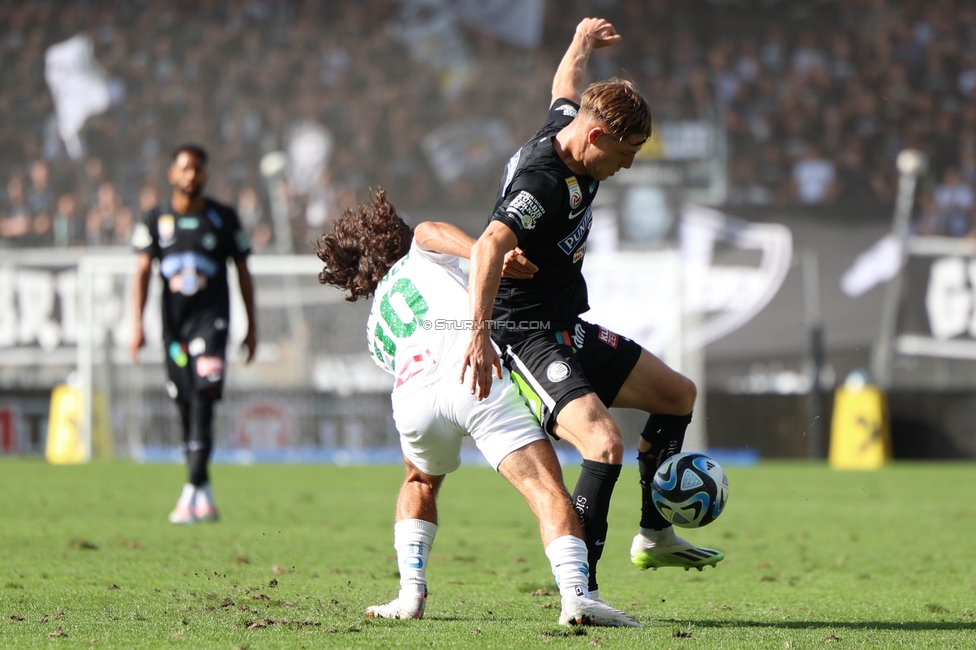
(548, 207)
(193, 250)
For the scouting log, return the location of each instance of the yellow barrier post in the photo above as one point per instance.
(64, 443)
(859, 430)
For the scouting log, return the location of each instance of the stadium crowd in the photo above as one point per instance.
(817, 99)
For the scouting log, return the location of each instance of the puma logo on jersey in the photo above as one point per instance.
(569, 244)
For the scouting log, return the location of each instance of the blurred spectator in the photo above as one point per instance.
(94, 232)
(65, 227)
(255, 224)
(15, 219)
(108, 204)
(122, 226)
(148, 198)
(814, 178)
(954, 202)
(39, 197)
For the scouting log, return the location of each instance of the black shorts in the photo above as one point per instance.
(554, 367)
(197, 364)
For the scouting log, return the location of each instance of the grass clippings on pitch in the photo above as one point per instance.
(814, 559)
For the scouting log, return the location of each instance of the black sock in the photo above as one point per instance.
(666, 434)
(200, 444)
(592, 502)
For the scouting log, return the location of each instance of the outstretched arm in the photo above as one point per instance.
(441, 237)
(591, 34)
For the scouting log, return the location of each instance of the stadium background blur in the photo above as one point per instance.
(427, 98)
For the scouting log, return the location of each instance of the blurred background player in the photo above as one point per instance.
(414, 332)
(571, 371)
(193, 237)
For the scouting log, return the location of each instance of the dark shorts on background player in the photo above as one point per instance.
(197, 364)
(554, 367)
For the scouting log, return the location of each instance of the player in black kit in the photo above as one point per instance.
(193, 237)
(571, 371)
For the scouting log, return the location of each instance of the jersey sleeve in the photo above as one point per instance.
(240, 243)
(533, 196)
(561, 113)
(144, 236)
(441, 259)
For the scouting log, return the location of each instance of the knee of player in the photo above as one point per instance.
(688, 393)
(678, 397)
(606, 446)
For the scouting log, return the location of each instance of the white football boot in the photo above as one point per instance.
(204, 506)
(183, 512)
(586, 611)
(407, 605)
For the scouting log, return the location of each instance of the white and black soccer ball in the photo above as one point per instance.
(690, 490)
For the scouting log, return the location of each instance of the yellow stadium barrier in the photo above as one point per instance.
(64, 443)
(859, 429)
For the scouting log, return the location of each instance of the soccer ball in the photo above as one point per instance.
(690, 490)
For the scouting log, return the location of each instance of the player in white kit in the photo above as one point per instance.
(416, 331)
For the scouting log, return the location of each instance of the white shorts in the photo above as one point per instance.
(433, 419)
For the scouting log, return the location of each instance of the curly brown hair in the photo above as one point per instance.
(362, 247)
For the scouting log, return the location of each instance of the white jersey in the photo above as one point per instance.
(418, 315)
(416, 331)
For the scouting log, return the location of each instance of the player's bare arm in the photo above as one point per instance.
(446, 238)
(487, 259)
(591, 34)
(140, 289)
(247, 294)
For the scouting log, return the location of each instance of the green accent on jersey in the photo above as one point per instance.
(384, 344)
(529, 395)
(389, 346)
(418, 307)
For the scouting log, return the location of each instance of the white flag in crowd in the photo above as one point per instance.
(79, 86)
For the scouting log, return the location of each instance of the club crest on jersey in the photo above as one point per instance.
(526, 208)
(575, 194)
(166, 225)
(568, 110)
(570, 243)
(558, 371)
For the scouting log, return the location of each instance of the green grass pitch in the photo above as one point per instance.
(814, 559)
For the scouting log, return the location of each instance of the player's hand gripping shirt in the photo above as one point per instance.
(548, 207)
(193, 250)
(418, 317)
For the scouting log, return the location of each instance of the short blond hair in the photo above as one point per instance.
(617, 103)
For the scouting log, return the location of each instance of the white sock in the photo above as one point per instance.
(413, 539)
(665, 536)
(567, 557)
(186, 497)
